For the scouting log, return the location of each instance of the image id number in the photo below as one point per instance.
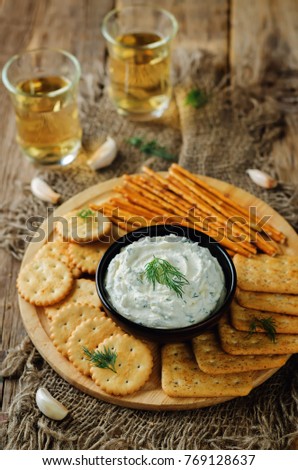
(225, 459)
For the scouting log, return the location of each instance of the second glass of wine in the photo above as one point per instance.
(139, 40)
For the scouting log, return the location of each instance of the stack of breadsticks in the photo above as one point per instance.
(183, 198)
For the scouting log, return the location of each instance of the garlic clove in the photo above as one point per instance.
(104, 155)
(49, 406)
(261, 179)
(43, 191)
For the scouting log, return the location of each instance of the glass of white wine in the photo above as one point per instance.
(43, 85)
(138, 40)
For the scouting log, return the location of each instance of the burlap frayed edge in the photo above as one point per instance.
(268, 417)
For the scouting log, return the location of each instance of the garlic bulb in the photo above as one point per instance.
(261, 179)
(43, 191)
(104, 155)
(49, 406)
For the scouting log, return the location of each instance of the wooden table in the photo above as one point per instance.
(254, 40)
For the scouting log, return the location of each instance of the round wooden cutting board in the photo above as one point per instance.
(151, 396)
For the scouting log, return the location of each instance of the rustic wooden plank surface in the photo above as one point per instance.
(252, 39)
(264, 49)
(263, 39)
(202, 25)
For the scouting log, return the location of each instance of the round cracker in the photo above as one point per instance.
(133, 365)
(44, 281)
(58, 249)
(89, 334)
(67, 320)
(86, 257)
(73, 227)
(83, 292)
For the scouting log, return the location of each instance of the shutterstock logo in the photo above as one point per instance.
(235, 230)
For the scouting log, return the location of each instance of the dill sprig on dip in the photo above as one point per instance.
(161, 271)
(266, 324)
(84, 213)
(105, 359)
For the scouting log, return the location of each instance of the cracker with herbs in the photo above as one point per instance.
(88, 335)
(121, 365)
(83, 226)
(212, 359)
(245, 343)
(243, 319)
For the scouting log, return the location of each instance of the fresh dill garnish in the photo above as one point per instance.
(161, 271)
(151, 148)
(135, 141)
(105, 359)
(196, 98)
(266, 324)
(84, 213)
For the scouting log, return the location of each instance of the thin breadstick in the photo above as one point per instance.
(178, 185)
(127, 216)
(166, 195)
(125, 211)
(137, 209)
(275, 234)
(123, 225)
(136, 199)
(239, 229)
(116, 211)
(231, 253)
(213, 224)
(162, 191)
(188, 196)
(238, 247)
(133, 219)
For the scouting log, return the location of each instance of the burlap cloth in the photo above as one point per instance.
(234, 131)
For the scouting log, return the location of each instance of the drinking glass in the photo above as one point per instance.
(139, 42)
(43, 86)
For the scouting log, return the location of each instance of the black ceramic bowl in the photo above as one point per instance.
(162, 335)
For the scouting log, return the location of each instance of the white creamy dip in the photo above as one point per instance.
(135, 297)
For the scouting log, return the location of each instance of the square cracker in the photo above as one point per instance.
(181, 376)
(262, 273)
(241, 319)
(212, 359)
(277, 303)
(240, 343)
